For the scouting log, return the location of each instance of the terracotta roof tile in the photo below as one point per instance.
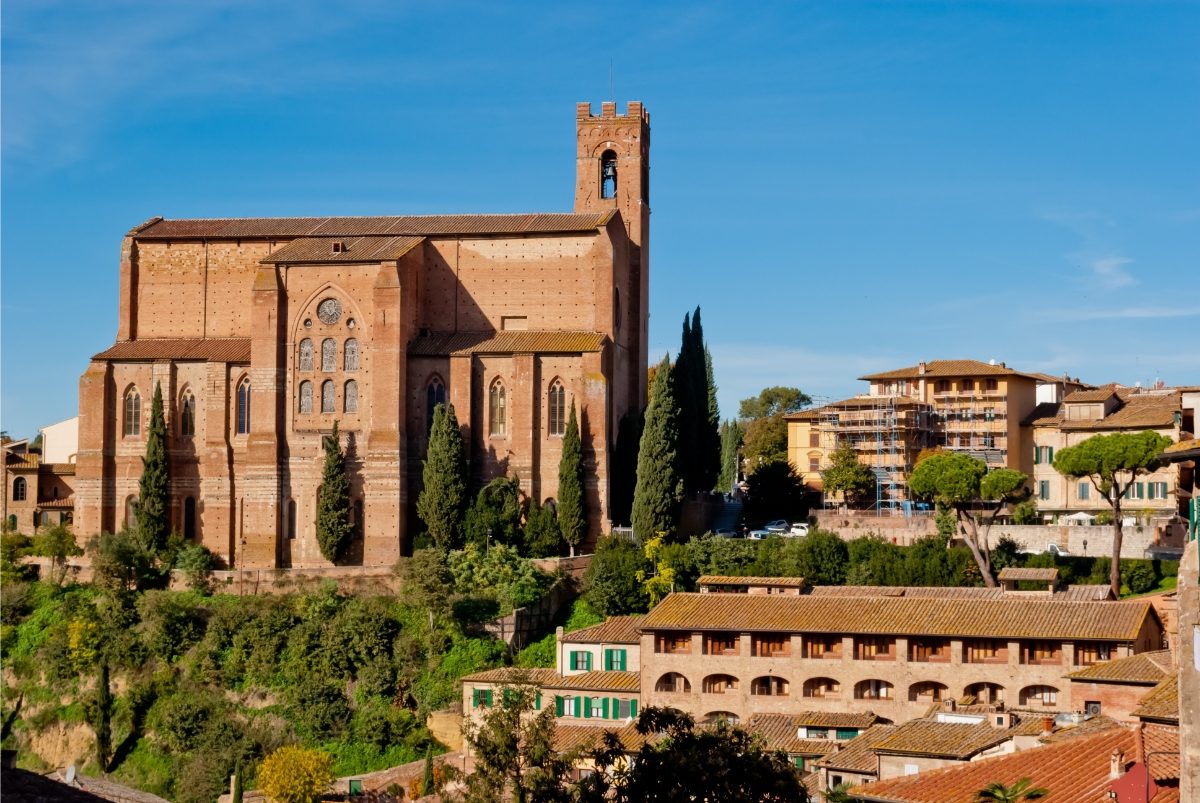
(944, 368)
(223, 349)
(1018, 573)
(513, 675)
(1094, 395)
(910, 592)
(1001, 618)
(587, 737)
(1140, 411)
(67, 503)
(1044, 415)
(834, 719)
(312, 250)
(1087, 592)
(614, 630)
(1162, 751)
(527, 342)
(1074, 770)
(17, 461)
(1161, 702)
(281, 228)
(928, 737)
(60, 469)
(779, 733)
(1147, 668)
(598, 680)
(731, 580)
(858, 755)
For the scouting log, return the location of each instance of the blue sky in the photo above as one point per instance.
(842, 186)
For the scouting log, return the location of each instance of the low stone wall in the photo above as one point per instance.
(1087, 540)
(520, 627)
(901, 530)
(573, 567)
(249, 582)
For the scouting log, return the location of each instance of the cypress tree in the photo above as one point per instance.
(444, 497)
(572, 513)
(731, 442)
(154, 495)
(685, 385)
(709, 416)
(99, 711)
(333, 501)
(659, 487)
(625, 462)
(427, 779)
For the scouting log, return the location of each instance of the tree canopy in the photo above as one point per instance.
(334, 528)
(1112, 463)
(659, 490)
(953, 480)
(849, 477)
(444, 495)
(777, 400)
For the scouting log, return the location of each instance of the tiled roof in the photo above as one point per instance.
(834, 719)
(67, 503)
(858, 754)
(513, 675)
(598, 680)
(1074, 770)
(614, 630)
(1162, 751)
(312, 250)
(1094, 395)
(731, 580)
(1185, 445)
(1087, 592)
(928, 737)
(281, 228)
(60, 469)
(944, 368)
(1146, 668)
(779, 732)
(1140, 411)
(221, 349)
(1161, 702)
(1018, 573)
(28, 461)
(1089, 727)
(911, 592)
(1001, 618)
(527, 342)
(586, 737)
(1045, 414)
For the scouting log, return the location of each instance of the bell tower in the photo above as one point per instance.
(612, 171)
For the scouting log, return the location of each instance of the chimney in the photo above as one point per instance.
(921, 368)
(1139, 743)
(1002, 365)
(1116, 765)
(1047, 726)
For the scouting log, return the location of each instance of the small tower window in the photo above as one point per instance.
(608, 175)
(498, 409)
(133, 412)
(187, 415)
(243, 408)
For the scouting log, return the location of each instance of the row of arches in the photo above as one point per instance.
(306, 355)
(328, 396)
(870, 689)
(131, 411)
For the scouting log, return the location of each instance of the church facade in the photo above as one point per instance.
(261, 333)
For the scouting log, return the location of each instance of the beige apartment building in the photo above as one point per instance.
(961, 405)
(738, 655)
(1105, 411)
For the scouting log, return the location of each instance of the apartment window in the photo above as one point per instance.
(941, 386)
(771, 646)
(187, 414)
(498, 409)
(814, 464)
(821, 687)
(556, 403)
(350, 355)
(328, 355)
(822, 646)
(720, 644)
(769, 686)
(988, 441)
(845, 734)
(814, 438)
(481, 698)
(626, 709)
(1039, 695)
(306, 355)
(673, 682)
(873, 690)
(677, 644)
(1043, 454)
(243, 407)
(350, 397)
(327, 396)
(1135, 490)
(1043, 489)
(985, 651)
(20, 489)
(926, 691)
(989, 414)
(1157, 490)
(1085, 491)
(968, 385)
(581, 660)
(133, 412)
(877, 648)
(614, 660)
(1042, 652)
(1087, 654)
(929, 650)
(990, 385)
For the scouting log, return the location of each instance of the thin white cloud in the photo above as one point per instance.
(1124, 313)
(1109, 272)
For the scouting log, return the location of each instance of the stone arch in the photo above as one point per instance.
(927, 691)
(20, 489)
(719, 684)
(308, 308)
(985, 692)
(1039, 695)
(770, 686)
(673, 682)
(874, 689)
(728, 717)
(822, 687)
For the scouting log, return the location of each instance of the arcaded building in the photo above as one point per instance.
(263, 332)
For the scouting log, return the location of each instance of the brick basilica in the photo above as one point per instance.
(262, 332)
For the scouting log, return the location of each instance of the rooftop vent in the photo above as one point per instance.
(339, 246)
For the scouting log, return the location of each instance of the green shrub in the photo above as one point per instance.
(171, 623)
(318, 709)
(1138, 576)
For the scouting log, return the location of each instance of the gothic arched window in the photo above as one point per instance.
(243, 407)
(498, 409)
(328, 355)
(435, 394)
(306, 399)
(350, 356)
(350, 399)
(327, 396)
(557, 408)
(19, 489)
(187, 414)
(306, 354)
(608, 175)
(133, 412)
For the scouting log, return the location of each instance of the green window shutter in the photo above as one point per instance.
(633, 708)
(1037, 455)
(799, 762)
(608, 660)
(587, 661)
(587, 707)
(575, 706)
(474, 698)
(1049, 454)
(604, 707)
(537, 700)
(558, 706)
(621, 657)
(616, 708)
(487, 697)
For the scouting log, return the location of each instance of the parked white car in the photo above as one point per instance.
(777, 526)
(798, 530)
(758, 535)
